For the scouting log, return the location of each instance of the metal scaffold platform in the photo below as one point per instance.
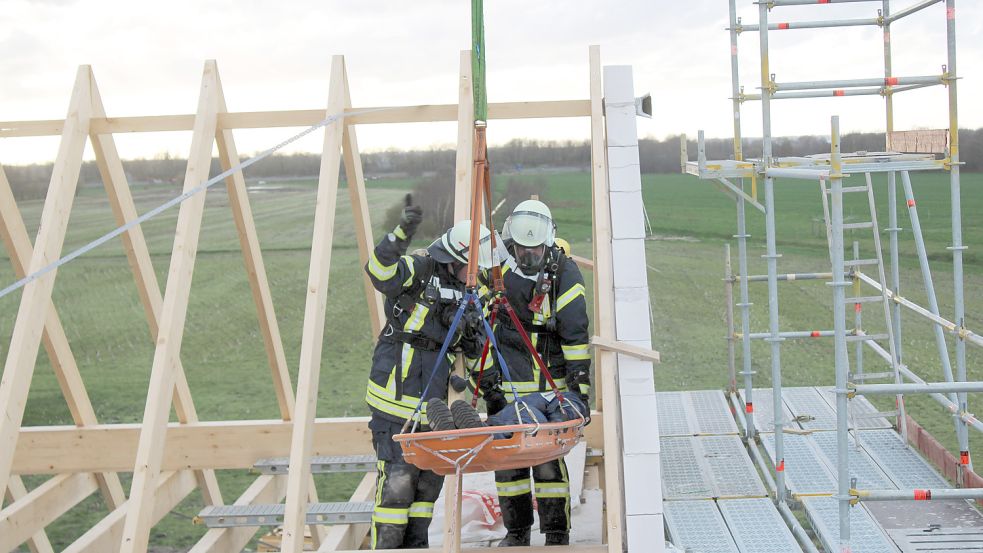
(715, 499)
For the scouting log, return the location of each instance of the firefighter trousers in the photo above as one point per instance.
(551, 485)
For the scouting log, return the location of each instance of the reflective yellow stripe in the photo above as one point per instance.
(421, 509)
(380, 481)
(512, 489)
(521, 387)
(385, 400)
(584, 389)
(400, 233)
(552, 489)
(570, 295)
(576, 353)
(409, 264)
(388, 515)
(407, 355)
(380, 271)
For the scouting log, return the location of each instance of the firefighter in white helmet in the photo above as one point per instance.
(546, 289)
(422, 293)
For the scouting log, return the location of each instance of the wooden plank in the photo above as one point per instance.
(314, 314)
(583, 262)
(146, 470)
(605, 381)
(18, 244)
(350, 536)
(36, 295)
(620, 347)
(138, 256)
(363, 221)
(38, 543)
(264, 490)
(255, 269)
(213, 444)
(106, 534)
(303, 118)
(24, 518)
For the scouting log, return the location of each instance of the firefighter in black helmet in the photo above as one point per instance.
(422, 294)
(546, 289)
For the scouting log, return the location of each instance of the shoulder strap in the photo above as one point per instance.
(407, 299)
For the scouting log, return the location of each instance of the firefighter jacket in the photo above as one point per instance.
(421, 298)
(558, 330)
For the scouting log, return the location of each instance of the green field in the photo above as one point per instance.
(226, 364)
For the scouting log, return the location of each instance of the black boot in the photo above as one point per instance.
(465, 416)
(439, 415)
(557, 538)
(516, 538)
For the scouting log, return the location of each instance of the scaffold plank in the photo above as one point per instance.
(698, 526)
(903, 465)
(703, 412)
(731, 470)
(940, 539)
(865, 535)
(862, 467)
(673, 418)
(683, 474)
(809, 408)
(859, 405)
(756, 526)
(764, 414)
(804, 473)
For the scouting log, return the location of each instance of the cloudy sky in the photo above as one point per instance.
(148, 56)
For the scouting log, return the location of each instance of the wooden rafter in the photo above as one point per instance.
(38, 543)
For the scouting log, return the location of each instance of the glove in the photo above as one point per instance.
(494, 400)
(578, 382)
(472, 324)
(410, 219)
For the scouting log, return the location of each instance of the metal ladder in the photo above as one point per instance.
(858, 300)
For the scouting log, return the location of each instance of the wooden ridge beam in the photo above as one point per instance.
(302, 118)
(147, 469)
(24, 518)
(105, 536)
(36, 295)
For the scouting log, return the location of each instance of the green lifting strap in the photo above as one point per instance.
(478, 61)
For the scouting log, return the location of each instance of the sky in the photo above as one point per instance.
(147, 58)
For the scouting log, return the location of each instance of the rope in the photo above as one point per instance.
(175, 201)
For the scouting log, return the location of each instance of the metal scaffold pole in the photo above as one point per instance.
(842, 362)
(767, 88)
(957, 233)
(745, 306)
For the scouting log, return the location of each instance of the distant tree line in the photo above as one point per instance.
(657, 156)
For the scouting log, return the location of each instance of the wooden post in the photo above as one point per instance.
(452, 513)
(295, 511)
(38, 543)
(146, 471)
(465, 141)
(36, 295)
(360, 210)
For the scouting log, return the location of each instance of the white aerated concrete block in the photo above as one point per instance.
(646, 534)
(632, 270)
(627, 219)
(631, 313)
(624, 169)
(640, 423)
(643, 484)
(635, 377)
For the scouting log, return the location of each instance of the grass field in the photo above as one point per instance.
(226, 364)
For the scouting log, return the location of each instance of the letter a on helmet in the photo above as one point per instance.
(531, 224)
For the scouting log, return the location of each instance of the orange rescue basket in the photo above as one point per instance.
(476, 449)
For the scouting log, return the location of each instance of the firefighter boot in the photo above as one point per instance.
(516, 538)
(465, 416)
(557, 538)
(439, 415)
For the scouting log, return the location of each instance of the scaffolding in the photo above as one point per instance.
(906, 152)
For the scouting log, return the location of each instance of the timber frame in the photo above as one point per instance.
(169, 460)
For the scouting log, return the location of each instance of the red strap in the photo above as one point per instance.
(484, 353)
(529, 346)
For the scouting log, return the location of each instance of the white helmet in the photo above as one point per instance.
(453, 245)
(531, 224)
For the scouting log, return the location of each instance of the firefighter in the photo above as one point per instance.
(422, 293)
(546, 289)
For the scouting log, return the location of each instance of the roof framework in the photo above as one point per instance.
(169, 460)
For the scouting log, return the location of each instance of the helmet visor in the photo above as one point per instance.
(528, 228)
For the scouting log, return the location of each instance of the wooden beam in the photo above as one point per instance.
(24, 518)
(644, 354)
(218, 445)
(583, 262)
(138, 256)
(264, 490)
(105, 535)
(312, 339)
(146, 470)
(303, 118)
(18, 244)
(363, 221)
(605, 380)
(36, 295)
(255, 269)
(464, 165)
(350, 536)
(38, 543)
